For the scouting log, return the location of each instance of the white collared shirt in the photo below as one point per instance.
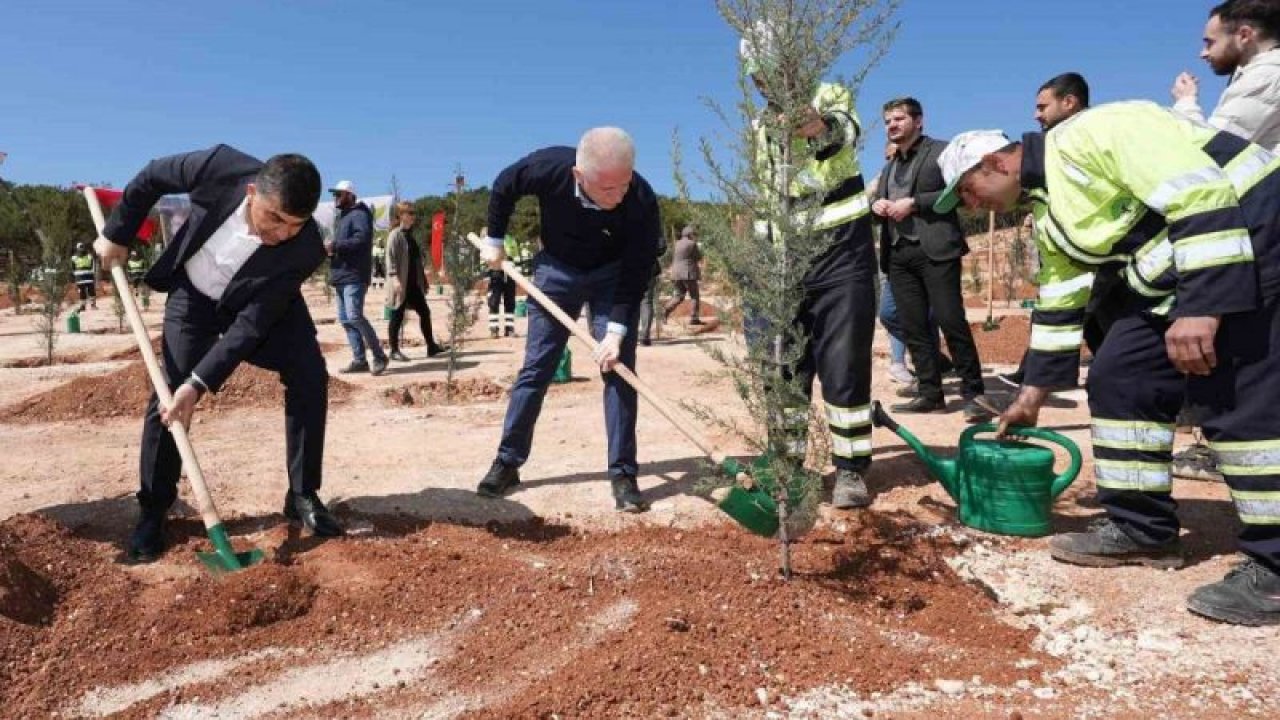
(223, 254)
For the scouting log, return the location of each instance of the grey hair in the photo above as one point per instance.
(605, 147)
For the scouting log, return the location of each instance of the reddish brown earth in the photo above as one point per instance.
(681, 619)
(435, 392)
(1005, 344)
(125, 393)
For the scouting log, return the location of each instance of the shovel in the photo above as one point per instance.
(224, 558)
(750, 500)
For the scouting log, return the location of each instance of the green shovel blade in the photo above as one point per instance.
(224, 558)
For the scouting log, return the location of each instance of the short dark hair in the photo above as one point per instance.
(1069, 83)
(1262, 15)
(293, 180)
(910, 104)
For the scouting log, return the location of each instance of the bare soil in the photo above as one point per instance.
(547, 603)
(125, 393)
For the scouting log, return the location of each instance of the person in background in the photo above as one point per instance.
(685, 274)
(84, 273)
(350, 268)
(406, 284)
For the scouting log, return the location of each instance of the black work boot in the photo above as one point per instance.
(626, 494)
(850, 490)
(146, 544)
(499, 480)
(1106, 545)
(1248, 595)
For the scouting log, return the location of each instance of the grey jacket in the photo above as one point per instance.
(940, 235)
(684, 261)
(1250, 106)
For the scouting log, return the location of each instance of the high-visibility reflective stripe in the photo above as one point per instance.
(850, 447)
(1063, 241)
(1153, 259)
(1231, 246)
(1257, 507)
(1248, 168)
(1164, 307)
(848, 417)
(1164, 194)
(1053, 338)
(842, 212)
(1125, 435)
(1260, 457)
(1132, 475)
(1049, 291)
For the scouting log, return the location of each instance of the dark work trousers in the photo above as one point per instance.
(570, 289)
(502, 301)
(921, 286)
(1134, 397)
(839, 321)
(682, 287)
(646, 310)
(416, 300)
(191, 328)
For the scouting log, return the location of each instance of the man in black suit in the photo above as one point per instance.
(921, 250)
(233, 272)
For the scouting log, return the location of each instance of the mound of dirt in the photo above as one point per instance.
(502, 622)
(257, 597)
(437, 392)
(1006, 344)
(24, 595)
(124, 393)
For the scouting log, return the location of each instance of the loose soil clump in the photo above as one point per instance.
(519, 621)
(1006, 344)
(124, 393)
(436, 392)
(25, 596)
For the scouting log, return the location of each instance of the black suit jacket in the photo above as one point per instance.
(265, 289)
(940, 235)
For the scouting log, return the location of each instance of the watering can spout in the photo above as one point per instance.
(944, 470)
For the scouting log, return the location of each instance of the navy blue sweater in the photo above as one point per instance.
(352, 261)
(579, 236)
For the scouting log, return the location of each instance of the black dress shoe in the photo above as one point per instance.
(626, 494)
(355, 367)
(310, 512)
(920, 405)
(146, 544)
(499, 480)
(435, 350)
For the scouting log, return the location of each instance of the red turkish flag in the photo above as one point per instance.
(437, 240)
(109, 198)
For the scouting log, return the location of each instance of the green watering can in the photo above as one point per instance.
(1000, 486)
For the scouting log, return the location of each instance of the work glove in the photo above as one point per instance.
(493, 253)
(608, 351)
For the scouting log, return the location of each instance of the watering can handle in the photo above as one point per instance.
(1060, 482)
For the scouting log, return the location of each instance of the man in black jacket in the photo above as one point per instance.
(233, 273)
(350, 271)
(921, 250)
(600, 230)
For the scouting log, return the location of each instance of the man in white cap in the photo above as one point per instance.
(350, 271)
(1193, 215)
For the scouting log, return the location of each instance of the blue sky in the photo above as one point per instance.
(367, 89)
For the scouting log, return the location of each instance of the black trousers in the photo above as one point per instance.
(682, 287)
(191, 327)
(415, 299)
(1134, 396)
(921, 286)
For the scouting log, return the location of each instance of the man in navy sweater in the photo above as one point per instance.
(350, 271)
(600, 230)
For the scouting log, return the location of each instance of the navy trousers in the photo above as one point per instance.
(1134, 396)
(570, 289)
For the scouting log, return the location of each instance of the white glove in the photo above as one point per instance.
(608, 352)
(493, 253)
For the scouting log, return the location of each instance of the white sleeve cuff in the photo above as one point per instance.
(493, 242)
(617, 329)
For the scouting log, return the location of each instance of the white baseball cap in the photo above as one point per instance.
(344, 186)
(962, 154)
